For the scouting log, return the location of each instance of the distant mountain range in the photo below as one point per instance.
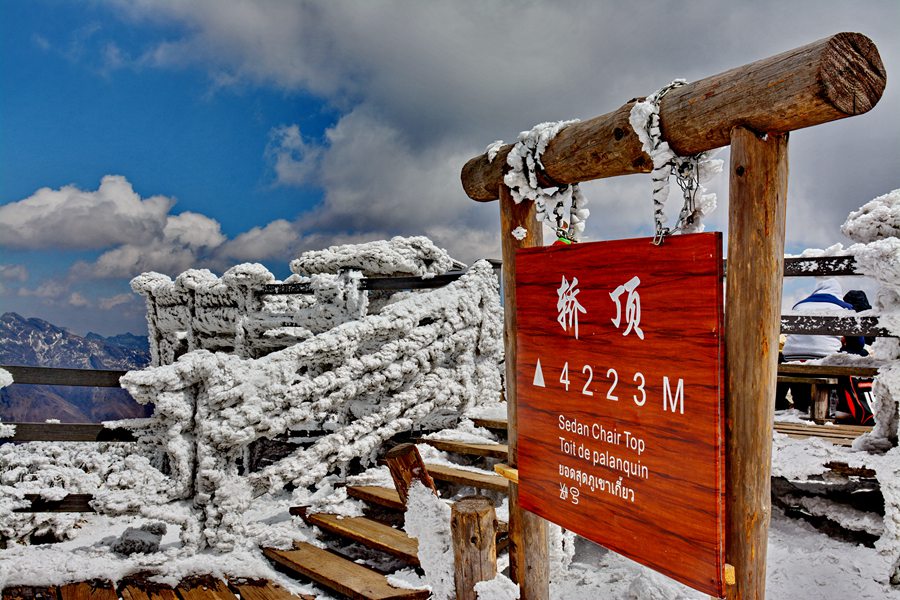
(37, 343)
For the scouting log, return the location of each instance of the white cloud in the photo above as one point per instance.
(13, 272)
(422, 93)
(275, 240)
(77, 299)
(294, 160)
(117, 300)
(76, 219)
(51, 289)
(187, 241)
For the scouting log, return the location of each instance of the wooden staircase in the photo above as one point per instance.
(338, 573)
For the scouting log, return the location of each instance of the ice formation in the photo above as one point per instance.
(492, 149)
(698, 169)
(417, 256)
(420, 362)
(525, 165)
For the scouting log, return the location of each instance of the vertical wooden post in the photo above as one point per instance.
(405, 464)
(527, 532)
(473, 529)
(758, 198)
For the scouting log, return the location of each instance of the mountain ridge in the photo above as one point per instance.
(34, 342)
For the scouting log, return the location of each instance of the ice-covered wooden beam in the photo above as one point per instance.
(833, 78)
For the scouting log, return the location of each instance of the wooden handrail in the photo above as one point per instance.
(833, 78)
(60, 376)
(67, 432)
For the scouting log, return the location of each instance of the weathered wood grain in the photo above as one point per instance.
(474, 539)
(264, 590)
(204, 588)
(406, 465)
(807, 370)
(756, 222)
(71, 503)
(369, 533)
(339, 574)
(386, 497)
(493, 450)
(56, 376)
(88, 590)
(67, 432)
(833, 78)
(27, 592)
(528, 550)
(828, 325)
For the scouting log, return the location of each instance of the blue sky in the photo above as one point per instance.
(162, 135)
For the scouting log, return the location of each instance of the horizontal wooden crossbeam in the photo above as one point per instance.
(833, 78)
(58, 376)
(67, 432)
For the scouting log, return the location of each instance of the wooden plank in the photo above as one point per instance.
(807, 380)
(369, 533)
(67, 432)
(833, 78)
(843, 429)
(756, 224)
(27, 592)
(55, 376)
(373, 494)
(500, 424)
(264, 590)
(484, 481)
(339, 574)
(89, 590)
(204, 588)
(820, 266)
(138, 588)
(492, 450)
(69, 504)
(809, 370)
(821, 325)
(842, 468)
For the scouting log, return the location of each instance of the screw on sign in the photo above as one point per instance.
(620, 400)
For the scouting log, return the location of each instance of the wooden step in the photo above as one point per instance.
(369, 533)
(374, 494)
(842, 435)
(204, 588)
(27, 592)
(88, 590)
(142, 589)
(265, 590)
(484, 481)
(500, 451)
(499, 424)
(339, 574)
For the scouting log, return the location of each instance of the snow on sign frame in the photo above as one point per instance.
(620, 388)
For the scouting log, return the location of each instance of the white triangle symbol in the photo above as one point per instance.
(538, 375)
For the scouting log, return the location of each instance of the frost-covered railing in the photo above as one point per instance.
(420, 362)
(245, 312)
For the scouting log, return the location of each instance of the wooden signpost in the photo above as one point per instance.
(620, 398)
(753, 108)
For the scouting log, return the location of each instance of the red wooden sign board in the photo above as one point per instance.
(620, 380)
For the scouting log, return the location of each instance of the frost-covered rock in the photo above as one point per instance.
(144, 539)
